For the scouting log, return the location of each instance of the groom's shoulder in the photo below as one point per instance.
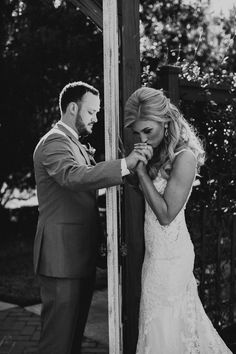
(53, 135)
(54, 132)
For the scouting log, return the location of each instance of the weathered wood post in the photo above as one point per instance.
(132, 205)
(168, 80)
(132, 208)
(111, 108)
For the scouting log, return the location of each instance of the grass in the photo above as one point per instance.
(18, 284)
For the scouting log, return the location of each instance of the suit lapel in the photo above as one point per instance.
(76, 141)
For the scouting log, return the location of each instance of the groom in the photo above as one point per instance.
(67, 236)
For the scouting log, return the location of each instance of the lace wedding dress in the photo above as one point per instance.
(172, 318)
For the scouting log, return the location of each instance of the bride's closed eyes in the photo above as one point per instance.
(150, 132)
(145, 131)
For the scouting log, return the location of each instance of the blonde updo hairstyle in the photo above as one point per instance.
(150, 104)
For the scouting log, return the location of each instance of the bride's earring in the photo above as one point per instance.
(166, 130)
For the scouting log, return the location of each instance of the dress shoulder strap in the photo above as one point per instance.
(178, 152)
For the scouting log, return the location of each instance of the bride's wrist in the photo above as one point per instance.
(142, 174)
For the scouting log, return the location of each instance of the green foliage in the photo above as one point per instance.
(170, 30)
(188, 35)
(42, 49)
(212, 207)
(203, 46)
(216, 126)
(18, 284)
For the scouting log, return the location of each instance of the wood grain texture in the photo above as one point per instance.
(132, 206)
(111, 105)
(91, 9)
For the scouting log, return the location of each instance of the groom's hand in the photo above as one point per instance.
(144, 149)
(133, 158)
(142, 153)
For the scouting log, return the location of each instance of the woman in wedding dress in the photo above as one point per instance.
(172, 319)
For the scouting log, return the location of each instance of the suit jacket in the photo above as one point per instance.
(68, 227)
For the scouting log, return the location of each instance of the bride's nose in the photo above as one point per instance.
(143, 138)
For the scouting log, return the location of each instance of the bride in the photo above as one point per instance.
(172, 319)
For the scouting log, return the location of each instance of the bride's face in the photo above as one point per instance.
(149, 132)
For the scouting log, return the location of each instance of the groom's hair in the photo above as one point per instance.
(73, 92)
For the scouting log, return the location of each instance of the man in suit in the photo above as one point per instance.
(66, 241)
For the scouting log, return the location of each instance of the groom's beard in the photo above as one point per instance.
(80, 126)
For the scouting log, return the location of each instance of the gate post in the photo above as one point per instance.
(111, 104)
(169, 82)
(132, 204)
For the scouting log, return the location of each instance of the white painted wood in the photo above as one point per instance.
(111, 105)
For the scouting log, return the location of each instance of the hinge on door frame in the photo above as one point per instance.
(123, 249)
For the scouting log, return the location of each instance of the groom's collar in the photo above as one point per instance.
(66, 129)
(72, 131)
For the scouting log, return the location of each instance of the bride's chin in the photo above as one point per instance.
(155, 146)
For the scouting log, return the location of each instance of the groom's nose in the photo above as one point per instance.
(94, 118)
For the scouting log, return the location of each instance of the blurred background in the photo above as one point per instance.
(44, 45)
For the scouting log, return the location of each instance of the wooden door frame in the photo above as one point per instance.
(111, 109)
(119, 20)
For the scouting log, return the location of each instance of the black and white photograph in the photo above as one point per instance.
(118, 177)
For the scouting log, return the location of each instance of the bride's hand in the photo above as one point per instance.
(144, 149)
(141, 169)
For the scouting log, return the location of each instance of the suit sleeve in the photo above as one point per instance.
(61, 165)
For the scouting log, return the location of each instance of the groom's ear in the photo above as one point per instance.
(73, 108)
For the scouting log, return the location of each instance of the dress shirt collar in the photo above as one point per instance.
(69, 128)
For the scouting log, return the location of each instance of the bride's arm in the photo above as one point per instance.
(166, 207)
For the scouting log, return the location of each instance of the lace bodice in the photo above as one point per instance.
(172, 318)
(164, 241)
